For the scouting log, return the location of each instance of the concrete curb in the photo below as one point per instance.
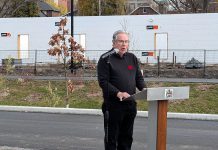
(52, 110)
(170, 115)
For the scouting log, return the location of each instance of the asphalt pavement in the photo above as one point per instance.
(49, 131)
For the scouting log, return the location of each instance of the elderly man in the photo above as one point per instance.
(118, 76)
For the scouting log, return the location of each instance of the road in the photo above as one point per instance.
(44, 131)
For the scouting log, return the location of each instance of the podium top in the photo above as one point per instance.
(163, 93)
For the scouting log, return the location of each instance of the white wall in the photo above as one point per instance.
(186, 31)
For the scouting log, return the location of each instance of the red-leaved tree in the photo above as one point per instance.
(62, 45)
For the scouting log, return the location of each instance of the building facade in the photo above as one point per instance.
(144, 10)
(63, 3)
(134, 4)
(47, 10)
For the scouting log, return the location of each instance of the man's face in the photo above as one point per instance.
(121, 43)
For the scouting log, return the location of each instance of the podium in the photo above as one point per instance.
(157, 112)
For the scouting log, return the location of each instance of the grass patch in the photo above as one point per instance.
(87, 94)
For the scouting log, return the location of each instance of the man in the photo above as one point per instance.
(118, 76)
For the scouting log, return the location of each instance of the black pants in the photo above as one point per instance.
(120, 125)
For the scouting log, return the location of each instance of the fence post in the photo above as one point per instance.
(35, 62)
(173, 59)
(158, 66)
(204, 73)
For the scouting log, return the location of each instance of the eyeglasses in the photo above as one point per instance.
(123, 42)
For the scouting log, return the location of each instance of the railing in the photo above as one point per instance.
(154, 63)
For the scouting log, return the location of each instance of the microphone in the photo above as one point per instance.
(115, 50)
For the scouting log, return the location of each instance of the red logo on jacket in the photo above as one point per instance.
(130, 67)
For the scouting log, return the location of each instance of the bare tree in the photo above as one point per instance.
(9, 7)
(101, 7)
(186, 6)
(205, 5)
(125, 27)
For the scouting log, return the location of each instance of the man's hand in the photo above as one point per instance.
(122, 95)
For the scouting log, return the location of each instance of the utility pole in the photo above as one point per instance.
(72, 15)
(72, 32)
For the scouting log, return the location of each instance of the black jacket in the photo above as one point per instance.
(117, 73)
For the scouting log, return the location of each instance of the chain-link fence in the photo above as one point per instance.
(154, 63)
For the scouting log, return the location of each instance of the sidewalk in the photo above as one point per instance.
(170, 115)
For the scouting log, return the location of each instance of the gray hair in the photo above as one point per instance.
(116, 33)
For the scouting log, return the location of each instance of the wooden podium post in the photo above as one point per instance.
(162, 124)
(157, 113)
